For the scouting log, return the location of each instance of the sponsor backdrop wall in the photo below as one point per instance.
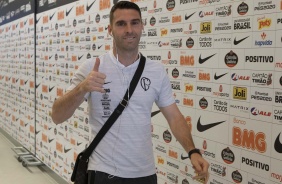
(224, 61)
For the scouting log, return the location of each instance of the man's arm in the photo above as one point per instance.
(64, 107)
(182, 133)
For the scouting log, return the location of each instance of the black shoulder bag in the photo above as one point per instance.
(80, 175)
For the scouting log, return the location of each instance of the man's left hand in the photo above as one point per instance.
(201, 167)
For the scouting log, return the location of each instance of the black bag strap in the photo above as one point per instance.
(117, 112)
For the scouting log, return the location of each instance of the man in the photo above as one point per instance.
(125, 154)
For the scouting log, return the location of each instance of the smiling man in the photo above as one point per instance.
(125, 154)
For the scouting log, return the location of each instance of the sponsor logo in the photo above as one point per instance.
(203, 14)
(236, 42)
(50, 89)
(243, 8)
(204, 76)
(67, 150)
(188, 88)
(189, 74)
(261, 96)
(254, 163)
(231, 59)
(200, 88)
(236, 176)
(249, 139)
(205, 27)
(220, 105)
(256, 112)
(216, 77)
(259, 59)
(223, 26)
(239, 93)
(236, 77)
(189, 16)
(88, 7)
(203, 60)
(264, 23)
(205, 42)
(37, 20)
(170, 5)
(277, 115)
(242, 24)
(176, 19)
(51, 17)
(188, 102)
(218, 169)
(263, 43)
(264, 6)
(203, 103)
(190, 43)
(79, 57)
(175, 85)
(152, 21)
(275, 175)
(167, 136)
(50, 140)
(202, 128)
(278, 144)
(227, 155)
(68, 12)
(262, 78)
(172, 154)
(223, 11)
(175, 73)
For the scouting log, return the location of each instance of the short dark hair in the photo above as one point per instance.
(123, 5)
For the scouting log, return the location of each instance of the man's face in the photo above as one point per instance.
(126, 29)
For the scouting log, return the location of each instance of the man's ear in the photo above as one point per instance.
(110, 30)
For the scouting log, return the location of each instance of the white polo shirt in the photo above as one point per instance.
(126, 150)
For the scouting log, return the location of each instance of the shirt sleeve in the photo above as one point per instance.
(165, 97)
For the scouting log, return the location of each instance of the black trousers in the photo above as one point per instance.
(97, 177)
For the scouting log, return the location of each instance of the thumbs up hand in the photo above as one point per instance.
(95, 80)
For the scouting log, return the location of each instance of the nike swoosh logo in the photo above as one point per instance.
(201, 61)
(107, 82)
(50, 89)
(278, 144)
(36, 132)
(78, 144)
(216, 77)
(50, 18)
(155, 113)
(71, 33)
(202, 128)
(79, 57)
(38, 20)
(25, 22)
(50, 140)
(68, 12)
(184, 158)
(17, 80)
(50, 57)
(17, 24)
(25, 81)
(67, 150)
(89, 7)
(49, 128)
(188, 17)
(100, 46)
(236, 42)
(36, 86)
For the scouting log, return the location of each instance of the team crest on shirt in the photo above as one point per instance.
(145, 83)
